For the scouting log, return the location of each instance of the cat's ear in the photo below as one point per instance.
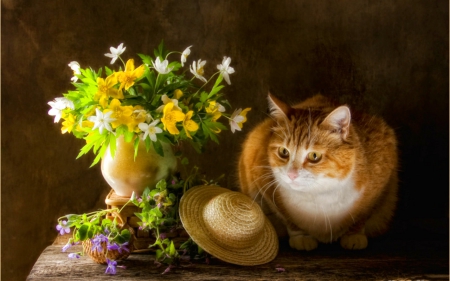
(339, 120)
(278, 108)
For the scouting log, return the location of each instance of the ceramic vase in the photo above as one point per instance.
(125, 173)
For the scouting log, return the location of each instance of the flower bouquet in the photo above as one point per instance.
(157, 102)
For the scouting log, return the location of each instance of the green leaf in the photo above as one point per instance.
(214, 91)
(136, 147)
(158, 254)
(185, 161)
(161, 185)
(106, 222)
(218, 81)
(145, 59)
(112, 144)
(172, 250)
(156, 212)
(90, 232)
(139, 215)
(161, 51)
(83, 232)
(158, 147)
(203, 97)
(99, 155)
(108, 71)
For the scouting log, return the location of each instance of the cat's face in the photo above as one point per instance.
(307, 154)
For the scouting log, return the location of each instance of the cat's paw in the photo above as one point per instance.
(354, 241)
(303, 243)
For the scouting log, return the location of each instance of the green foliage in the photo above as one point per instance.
(142, 101)
(159, 214)
(86, 226)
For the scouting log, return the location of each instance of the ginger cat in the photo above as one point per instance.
(322, 173)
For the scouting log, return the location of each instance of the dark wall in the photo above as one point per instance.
(385, 57)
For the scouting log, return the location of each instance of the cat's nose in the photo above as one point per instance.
(292, 174)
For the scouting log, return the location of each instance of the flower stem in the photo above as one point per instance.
(210, 78)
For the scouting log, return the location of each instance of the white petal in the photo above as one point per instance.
(143, 127)
(226, 77)
(154, 123)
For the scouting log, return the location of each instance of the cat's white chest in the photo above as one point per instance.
(326, 198)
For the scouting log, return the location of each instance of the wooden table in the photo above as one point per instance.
(389, 258)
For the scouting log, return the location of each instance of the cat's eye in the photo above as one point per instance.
(283, 152)
(314, 157)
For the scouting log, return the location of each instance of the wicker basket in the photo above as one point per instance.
(100, 257)
(141, 239)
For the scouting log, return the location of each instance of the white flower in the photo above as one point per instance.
(185, 54)
(75, 66)
(150, 130)
(58, 105)
(197, 69)
(161, 67)
(102, 121)
(226, 69)
(115, 52)
(237, 118)
(165, 99)
(220, 107)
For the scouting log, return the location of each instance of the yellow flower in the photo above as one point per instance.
(177, 94)
(238, 118)
(106, 88)
(127, 77)
(122, 114)
(189, 125)
(139, 115)
(171, 117)
(85, 124)
(213, 109)
(67, 125)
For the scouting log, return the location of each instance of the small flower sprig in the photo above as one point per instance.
(100, 230)
(160, 215)
(156, 102)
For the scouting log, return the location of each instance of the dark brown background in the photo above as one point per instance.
(386, 57)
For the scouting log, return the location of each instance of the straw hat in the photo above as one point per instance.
(228, 225)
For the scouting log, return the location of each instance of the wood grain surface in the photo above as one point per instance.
(385, 259)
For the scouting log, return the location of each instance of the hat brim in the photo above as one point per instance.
(264, 250)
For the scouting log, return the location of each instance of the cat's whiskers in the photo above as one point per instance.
(273, 194)
(266, 187)
(263, 177)
(327, 222)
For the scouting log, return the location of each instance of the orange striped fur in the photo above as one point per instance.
(321, 173)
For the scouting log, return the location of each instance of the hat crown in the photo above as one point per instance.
(233, 219)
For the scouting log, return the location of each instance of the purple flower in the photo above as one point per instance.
(119, 248)
(62, 228)
(74, 256)
(163, 236)
(67, 246)
(112, 266)
(280, 268)
(97, 242)
(111, 269)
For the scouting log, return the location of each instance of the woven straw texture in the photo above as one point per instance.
(228, 225)
(100, 257)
